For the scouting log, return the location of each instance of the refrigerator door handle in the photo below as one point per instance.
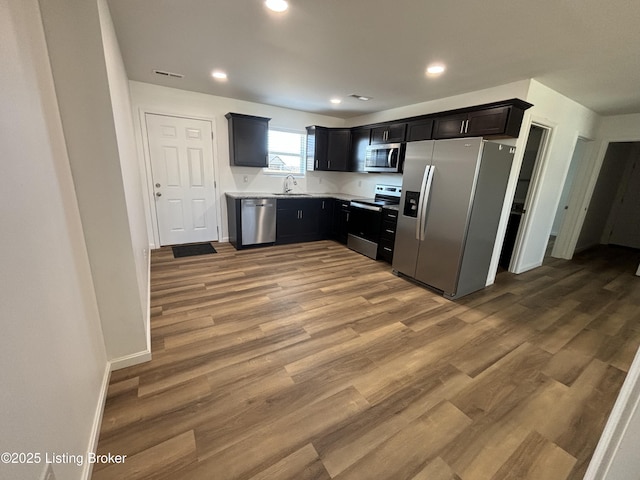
(425, 175)
(424, 196)
(423, 186)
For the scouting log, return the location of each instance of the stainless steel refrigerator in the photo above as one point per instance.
(452, 197)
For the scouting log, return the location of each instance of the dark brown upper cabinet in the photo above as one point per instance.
(328, 149)
(388, 133)
(494, 121)
(419, 130)
(359, 142)
(248, 140)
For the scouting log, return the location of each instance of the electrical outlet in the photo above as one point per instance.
(246, 179)
(359, 183)
(48, 473)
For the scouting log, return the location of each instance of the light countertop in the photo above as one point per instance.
(337, 196)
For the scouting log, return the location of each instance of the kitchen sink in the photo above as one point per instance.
(294, 194)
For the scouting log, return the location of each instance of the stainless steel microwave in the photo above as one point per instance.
(387, 157)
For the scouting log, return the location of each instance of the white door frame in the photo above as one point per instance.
(585, 185)
(533, 193)
(152, 220)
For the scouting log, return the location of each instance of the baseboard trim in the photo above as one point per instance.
(97, 420)
(148, 320)
(130, 360)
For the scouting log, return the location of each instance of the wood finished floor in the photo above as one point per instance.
(311, 361)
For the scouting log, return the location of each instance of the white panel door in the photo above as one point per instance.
(181, 154)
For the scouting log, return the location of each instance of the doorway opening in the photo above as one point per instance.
(534, 149)
(612, 217)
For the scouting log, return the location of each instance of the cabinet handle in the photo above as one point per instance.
(390, 231)
(462, 127)
(388, 249)
(347, 216)
(466, 126)
(301, 214)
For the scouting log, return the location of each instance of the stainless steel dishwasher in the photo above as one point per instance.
(258, 220)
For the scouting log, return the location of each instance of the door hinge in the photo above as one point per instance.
(211, 134)
(215, 185)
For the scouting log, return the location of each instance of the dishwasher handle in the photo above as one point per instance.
(256, 203)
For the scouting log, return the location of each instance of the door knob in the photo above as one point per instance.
(158, 194)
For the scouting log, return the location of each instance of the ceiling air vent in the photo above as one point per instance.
(168, 74)
(363, 98)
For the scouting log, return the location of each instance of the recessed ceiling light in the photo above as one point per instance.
(219, 75)
(336, 101)
(435, 69)
(277, 5)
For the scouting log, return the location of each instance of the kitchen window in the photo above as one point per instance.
(286, 152)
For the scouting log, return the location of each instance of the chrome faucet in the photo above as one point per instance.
(288, 188)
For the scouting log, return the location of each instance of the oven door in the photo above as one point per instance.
(365, 223)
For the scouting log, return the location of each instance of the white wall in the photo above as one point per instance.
(171, 101)
(129, 164)
(569, 120)
(91, 106)
(51, 348)
(620, 128)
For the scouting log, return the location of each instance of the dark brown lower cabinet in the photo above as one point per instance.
(302, 219)
(387, 234)
(340, 224)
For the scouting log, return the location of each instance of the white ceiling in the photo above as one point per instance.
(588, 50)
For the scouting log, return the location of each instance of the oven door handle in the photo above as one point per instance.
(427, 180)
(366, 207)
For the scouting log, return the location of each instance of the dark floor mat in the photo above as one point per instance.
(192, 250)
